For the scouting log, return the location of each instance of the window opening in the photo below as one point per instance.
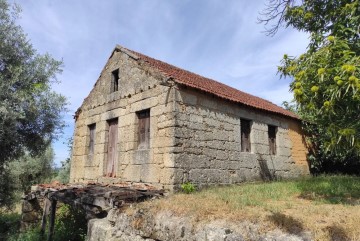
(115, 80)
(245, 135)
(144, 129)
(272, 139)
(92, 129)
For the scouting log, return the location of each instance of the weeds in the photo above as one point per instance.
(70, 225)
(30, 235)
(9, 224)
(188, 187)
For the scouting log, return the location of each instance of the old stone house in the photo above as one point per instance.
(149, 121)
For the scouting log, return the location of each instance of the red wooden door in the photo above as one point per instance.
(112, 154)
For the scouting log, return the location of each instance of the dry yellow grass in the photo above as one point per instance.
(330, 215)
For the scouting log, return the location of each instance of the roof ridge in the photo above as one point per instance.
(206, 84)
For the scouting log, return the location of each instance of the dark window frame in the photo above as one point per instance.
(245, 132)
(115, 80)
(272, 133)
(143, 129)
(92, 136)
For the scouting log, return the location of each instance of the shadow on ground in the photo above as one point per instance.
(337, 233)
(293, 226)
(287, 223)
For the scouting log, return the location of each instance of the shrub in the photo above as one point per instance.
(188, 187)
(9, 224)
(70, 225)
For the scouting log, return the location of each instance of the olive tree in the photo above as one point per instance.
(30, 112)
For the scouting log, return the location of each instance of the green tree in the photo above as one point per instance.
(325, 79)
(30, 112)
(28, 170)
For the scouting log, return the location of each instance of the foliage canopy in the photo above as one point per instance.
(30, 112)
(326, 83)
(27, 170)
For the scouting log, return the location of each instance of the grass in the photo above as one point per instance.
(331, 189)
(328, 206)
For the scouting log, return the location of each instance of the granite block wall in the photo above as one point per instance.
(209, 141)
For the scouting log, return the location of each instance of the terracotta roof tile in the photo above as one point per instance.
(196, 81)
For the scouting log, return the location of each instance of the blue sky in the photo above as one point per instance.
(217, 39)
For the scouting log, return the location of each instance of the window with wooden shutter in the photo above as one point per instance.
(115, 80)
(245, 135)
(144, 129)
(272, 139)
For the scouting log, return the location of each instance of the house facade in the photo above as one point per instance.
(149, 121)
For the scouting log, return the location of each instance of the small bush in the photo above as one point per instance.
(30, 235)
(70, 225)
(188, 187)
(9, 224)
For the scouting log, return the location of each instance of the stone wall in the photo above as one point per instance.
(208, 142)
(165, 226)
(31, 212)
(139, 89)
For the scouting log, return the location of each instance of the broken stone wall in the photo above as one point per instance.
(208, 142)
(139, 89)
(31, 212)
